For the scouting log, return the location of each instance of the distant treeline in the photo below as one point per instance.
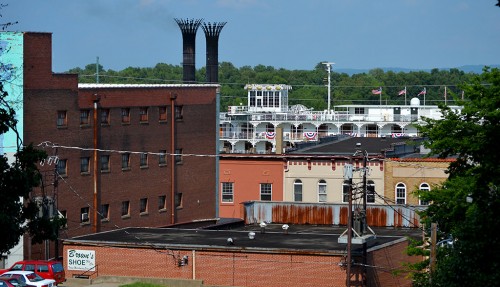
(309, 87)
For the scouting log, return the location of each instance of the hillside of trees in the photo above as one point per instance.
(309, 87)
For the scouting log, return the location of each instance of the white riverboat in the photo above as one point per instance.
(252, 128)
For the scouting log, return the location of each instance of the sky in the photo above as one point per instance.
(289, 34)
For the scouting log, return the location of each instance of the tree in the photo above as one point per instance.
(467, 206)
(18, 213)
(4, 26)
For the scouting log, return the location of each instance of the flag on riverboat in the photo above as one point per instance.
(310, 135)
(270, 135)
(423, 92)
(402, 92)
(378, 91)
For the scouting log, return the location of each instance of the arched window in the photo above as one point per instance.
(345, 191)
(400, 193)
(297, 190)
(425, 187)
(370, 191)
(322, 191)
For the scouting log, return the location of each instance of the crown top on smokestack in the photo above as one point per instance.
(188, 26)
(213, 29)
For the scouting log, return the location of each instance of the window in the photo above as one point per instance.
(424, 187)
(322, 196)
(345, 191)
(266, 191)
(227, 191)
(104, 163)
(297, 190)
(104, 116)
(162, 202)
(125, 161)
(62, 167)
(143, 205)
(162, 157)
(104, 212)
(178, 112)
(84, 117)
(359, 111)
(42, 268)
(84, 215)
(84, 164)
(125, 208)
(178, 156)
(370, 191)
(29, 267)
(143, 114)
(144, 160)
(400, 193)
(178, 200)
(162, 113)
(62, 120)
(125, 115)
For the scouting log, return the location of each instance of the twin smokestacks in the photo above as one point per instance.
(212, 32)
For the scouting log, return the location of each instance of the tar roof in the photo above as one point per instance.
(309, 238)
(347, 146)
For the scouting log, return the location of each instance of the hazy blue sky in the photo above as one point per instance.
(289, 34)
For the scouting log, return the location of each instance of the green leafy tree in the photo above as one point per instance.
(467, 206)
(18, 214)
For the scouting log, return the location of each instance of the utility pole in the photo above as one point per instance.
(363, 217)
(56, 209)
(359, 233)
(348, 176)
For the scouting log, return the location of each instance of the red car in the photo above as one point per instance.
(10, 282)
(46, 269)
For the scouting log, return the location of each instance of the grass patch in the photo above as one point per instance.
(142, 284)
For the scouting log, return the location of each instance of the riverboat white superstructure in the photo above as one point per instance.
(252, 128)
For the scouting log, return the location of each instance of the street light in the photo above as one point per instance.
(328, 68)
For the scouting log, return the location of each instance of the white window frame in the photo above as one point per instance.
(370, 183)
(264, 191)
(424, 186)
(227, 192)
(298, 190)
(345, 193)
(322, 191)
(400, 188)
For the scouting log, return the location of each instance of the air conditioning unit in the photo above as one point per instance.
(85, 217)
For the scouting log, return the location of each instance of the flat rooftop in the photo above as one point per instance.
(310, 239)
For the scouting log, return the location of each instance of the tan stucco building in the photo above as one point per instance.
(403, 176)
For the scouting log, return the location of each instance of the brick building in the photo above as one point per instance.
(248, 177)
(307, 255)
(125, 155)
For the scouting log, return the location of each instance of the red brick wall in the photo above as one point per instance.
(246, 174)
(385, 262)
(226, 268)
(219, 268)
(195, 177)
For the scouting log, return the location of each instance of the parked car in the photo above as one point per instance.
(47, 269)
(30, 278)
(10, 282)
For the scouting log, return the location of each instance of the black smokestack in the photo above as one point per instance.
(212, 32)
(188, 29)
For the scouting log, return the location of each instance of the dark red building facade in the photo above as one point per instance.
(125, 155)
